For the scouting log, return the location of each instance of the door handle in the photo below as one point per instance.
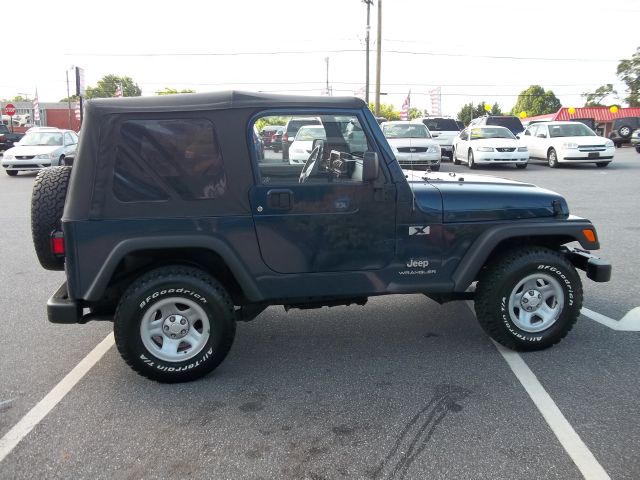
(280, 199)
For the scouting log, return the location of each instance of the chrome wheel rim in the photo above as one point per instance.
(552, 157)
(175, 329)
(536, 302)
(624, 131)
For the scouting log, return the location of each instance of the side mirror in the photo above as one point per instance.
(370, 167)
(541, 135)
(318, 142)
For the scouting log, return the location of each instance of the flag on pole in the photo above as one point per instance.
(118, 91)
(436, 101)
(36, 109)
(77, 111)
(404, 111)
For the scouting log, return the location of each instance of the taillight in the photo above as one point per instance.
(285, 137)
(273, 137)
(57, 243)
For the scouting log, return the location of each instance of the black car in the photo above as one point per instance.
(622, 130)
(511, 122)
(173, 226)
(268, 134)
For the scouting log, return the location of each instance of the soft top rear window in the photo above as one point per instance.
(441, 124)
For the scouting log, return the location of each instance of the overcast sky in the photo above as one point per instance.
(576, 44)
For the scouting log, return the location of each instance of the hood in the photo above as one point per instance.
(483, 198)
(583, 140)
(20, 150)
(497, 142)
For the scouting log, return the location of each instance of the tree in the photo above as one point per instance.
(415, 113)
(535, 101)
(72, 99)
(173, 91)
(469, 112)
(386, 111)
(629, 72)
(107, 87)
(594, 99)
(19, 98)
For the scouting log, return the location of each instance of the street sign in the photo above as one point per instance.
(10, 109)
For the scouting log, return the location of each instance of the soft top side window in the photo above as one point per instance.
(341, 139)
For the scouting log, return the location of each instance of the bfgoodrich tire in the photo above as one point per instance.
(174, 324)
(47, 204)
(529, 299)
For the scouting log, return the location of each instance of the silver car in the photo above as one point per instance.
(40, 148)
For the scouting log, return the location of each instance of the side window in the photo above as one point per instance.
(178, 155)
(531, 131)
(284, 150)
(541, 131)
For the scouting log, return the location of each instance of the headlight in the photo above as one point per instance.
(485, 149)
(569, 145)
(8, 156)
(45, 156)
(609, 144)
(298, 150)
(523, 149)
(433, 149)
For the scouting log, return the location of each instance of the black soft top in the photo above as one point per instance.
(231, 99)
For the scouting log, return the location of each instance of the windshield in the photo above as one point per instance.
(495, 132)
(441, 124)
(311, 133)
(41, 138)
(575, 130)
(406, 131)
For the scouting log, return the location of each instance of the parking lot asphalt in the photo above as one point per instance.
(399, 388)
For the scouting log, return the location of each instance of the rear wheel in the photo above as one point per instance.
(552, 158)
(12, 173)
(521, 166)
(453, 157)
(529, 299)
(174, 324)
(435, 168)
(62, 162)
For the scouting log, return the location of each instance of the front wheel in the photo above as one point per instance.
(521, 166)
(602, 164)
(470, 160)
(12, 173)
(454, 158)
(174, 324)
(552, 158)
(529, 299)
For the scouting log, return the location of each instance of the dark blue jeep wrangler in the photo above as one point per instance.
(175, 224)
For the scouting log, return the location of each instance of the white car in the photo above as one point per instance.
(40, 149)
(412, 145)
(567, 142)
(485, 145)
(302, 145)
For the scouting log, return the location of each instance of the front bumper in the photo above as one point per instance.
(574, 155)
(597, 269)
(500, 157)
(24, 165)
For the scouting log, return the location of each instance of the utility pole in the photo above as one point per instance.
(366, 91)
(326, 59)
(379, 51)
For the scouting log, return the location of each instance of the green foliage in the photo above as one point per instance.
(535, 101)
(19, 98)
(72, 99)
(264, 121)
(107, 87)
(594, 99)
(469, 112)
(629, 72)
(173, 91)
(415, 113)
(386, 111)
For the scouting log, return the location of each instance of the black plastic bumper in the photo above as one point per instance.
(62, 309)
(597, 269)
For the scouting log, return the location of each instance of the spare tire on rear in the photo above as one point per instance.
(47, 204)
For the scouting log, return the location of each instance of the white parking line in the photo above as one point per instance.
(567, 436)
(44, 406)
(629, 323)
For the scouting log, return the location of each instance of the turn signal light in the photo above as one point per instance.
(590, 235)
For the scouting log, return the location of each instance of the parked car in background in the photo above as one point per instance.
(8, 138)
(39, 149)
(290, 131)
(443, 130)
(622, 130)
(413, 145)
(489, 145)
(460, 125)
(567, 142)
(635, 139)
(267, 135)
(511, 122)
(302, 145)
(589, 122)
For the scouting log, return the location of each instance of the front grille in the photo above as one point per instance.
(591, 148)
(24, 157)
(412, 149)
(506, 149)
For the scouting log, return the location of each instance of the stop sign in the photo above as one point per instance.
(10, 109)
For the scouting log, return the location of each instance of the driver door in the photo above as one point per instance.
(332, 221)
